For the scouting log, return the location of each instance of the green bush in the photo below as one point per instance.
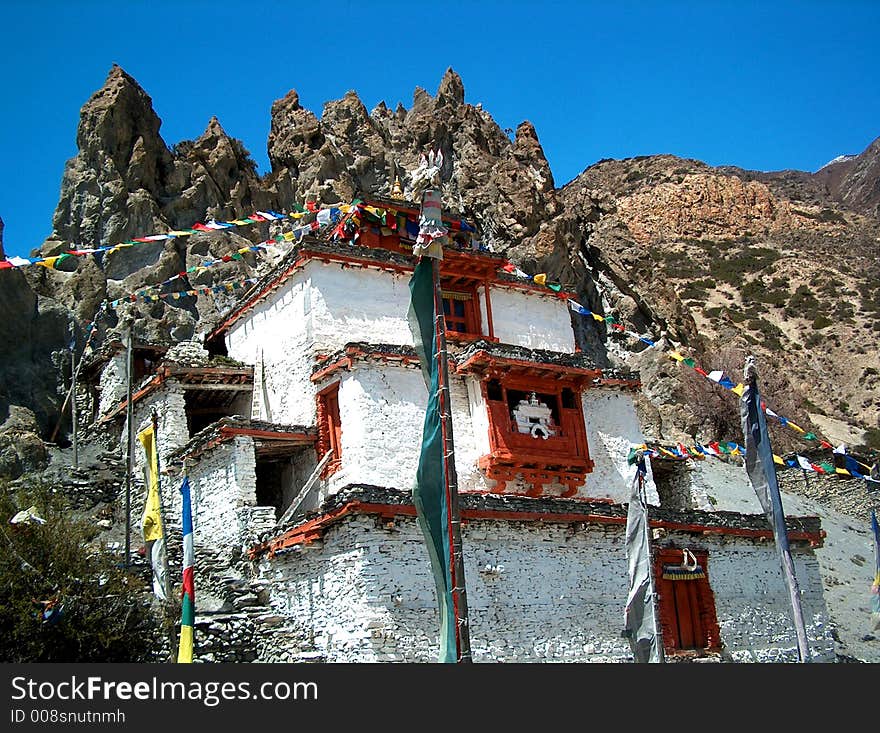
(821, 321)
(105, 614)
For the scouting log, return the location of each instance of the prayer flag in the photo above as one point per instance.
(188, 606)
(578, 308)
(430, 489)
(639, 622)
(762, 475)
(151, 523)
(804, 463)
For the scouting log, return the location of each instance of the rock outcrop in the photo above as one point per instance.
(712, 259)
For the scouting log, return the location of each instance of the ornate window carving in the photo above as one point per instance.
(536, 433)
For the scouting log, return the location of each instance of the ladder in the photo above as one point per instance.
(307, 487)
(257, 412)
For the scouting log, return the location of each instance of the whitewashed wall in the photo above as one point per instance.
(382, 411)
(280, 327)
(531, 319)
(170, 406)
(366, 594)
(223, 482)
(323, 307)
(112, 384)
(612, 429)
(536, 592)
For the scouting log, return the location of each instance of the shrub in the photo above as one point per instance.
(105, 616)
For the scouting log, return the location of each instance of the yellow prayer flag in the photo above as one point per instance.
(48, 262)
(739, 389)
(796, 427)
(185, 649)
(675, 355)
(541, 278)
(597, 317)
(777, 459)
(152, 519)
(179, 233)
(842, 471)
(288, 236)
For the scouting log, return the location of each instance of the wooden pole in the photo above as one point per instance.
(73, 415)
(129, 444)
(459, 591)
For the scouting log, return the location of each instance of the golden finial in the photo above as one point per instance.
(396, 190)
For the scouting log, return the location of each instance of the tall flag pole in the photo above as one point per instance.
(762, 475)
(640, 615)
(435, 493)
(129, 415)
(875, 587)
(188, 604)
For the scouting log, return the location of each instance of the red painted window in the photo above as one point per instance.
(329, 428)
(461, 313)
(537, 452)
(686, 604)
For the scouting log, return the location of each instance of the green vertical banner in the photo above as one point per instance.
(429, 490)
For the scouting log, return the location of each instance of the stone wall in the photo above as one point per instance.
(846, 495)
(751, 597)
(537, 591)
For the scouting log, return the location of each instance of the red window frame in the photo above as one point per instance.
(329, 428)
(565, 457)
(461, 322)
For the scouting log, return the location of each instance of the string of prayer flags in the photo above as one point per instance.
(54, 261)
(844, 464)
(716, 376)
(143, 296)
(539, 279)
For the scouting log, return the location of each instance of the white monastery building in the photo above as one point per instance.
(299, 422)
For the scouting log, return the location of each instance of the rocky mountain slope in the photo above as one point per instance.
(713, 261)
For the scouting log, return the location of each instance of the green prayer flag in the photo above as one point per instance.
(429, 491)
(810, 436)
(689, 362)
(554, 287)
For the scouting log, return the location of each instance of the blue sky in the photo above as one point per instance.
(763, 85)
